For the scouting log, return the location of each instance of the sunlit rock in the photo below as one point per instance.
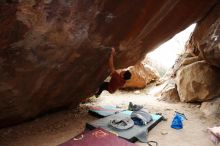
(198, 81)
(211, 107)
(141, 76)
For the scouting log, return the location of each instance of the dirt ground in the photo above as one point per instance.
(56, 128)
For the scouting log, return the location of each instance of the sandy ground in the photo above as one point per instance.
(56, 128)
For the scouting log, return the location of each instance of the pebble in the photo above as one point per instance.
(164, 133)
(168, 109)
(137, 92)
(189, 105)
(198, 106)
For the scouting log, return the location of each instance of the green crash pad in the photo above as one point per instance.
(133, 134)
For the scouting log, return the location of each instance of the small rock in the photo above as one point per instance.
(137, 92)
(169, 92)
(211, 107)
(168, 109)
(198, 106)
(189, 106)
(164, 133)
(194, 106)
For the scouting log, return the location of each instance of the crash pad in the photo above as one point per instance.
(132, 134)
(97, 137)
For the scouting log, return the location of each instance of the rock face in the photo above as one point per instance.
(169, 92)
(183, 60)
(206, 37)
(198, 81)
(141, 76)
(211, 108)
(54, 52)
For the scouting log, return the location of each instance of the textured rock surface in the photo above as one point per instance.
(198, 82)
(141, 76)
(183, 60)
(169, 92)
(206, 37)
(52, 52)
(211, 108)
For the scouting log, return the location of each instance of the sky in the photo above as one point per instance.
(167, 53)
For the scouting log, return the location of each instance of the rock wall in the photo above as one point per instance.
(206, 37)
(54, 52)
(199, 80)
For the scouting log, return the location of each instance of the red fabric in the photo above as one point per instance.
(97, 137)
(116, 82)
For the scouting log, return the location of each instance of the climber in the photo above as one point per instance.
(117, 79)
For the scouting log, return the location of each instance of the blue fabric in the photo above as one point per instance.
(141, 117)
(138, 121)
(177, 122)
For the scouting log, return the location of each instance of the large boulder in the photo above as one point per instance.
(53, 52)
(198, 81)
(211, 107)
(141, 76)
(183, 60)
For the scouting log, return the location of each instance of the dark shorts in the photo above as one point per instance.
(102, 87)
